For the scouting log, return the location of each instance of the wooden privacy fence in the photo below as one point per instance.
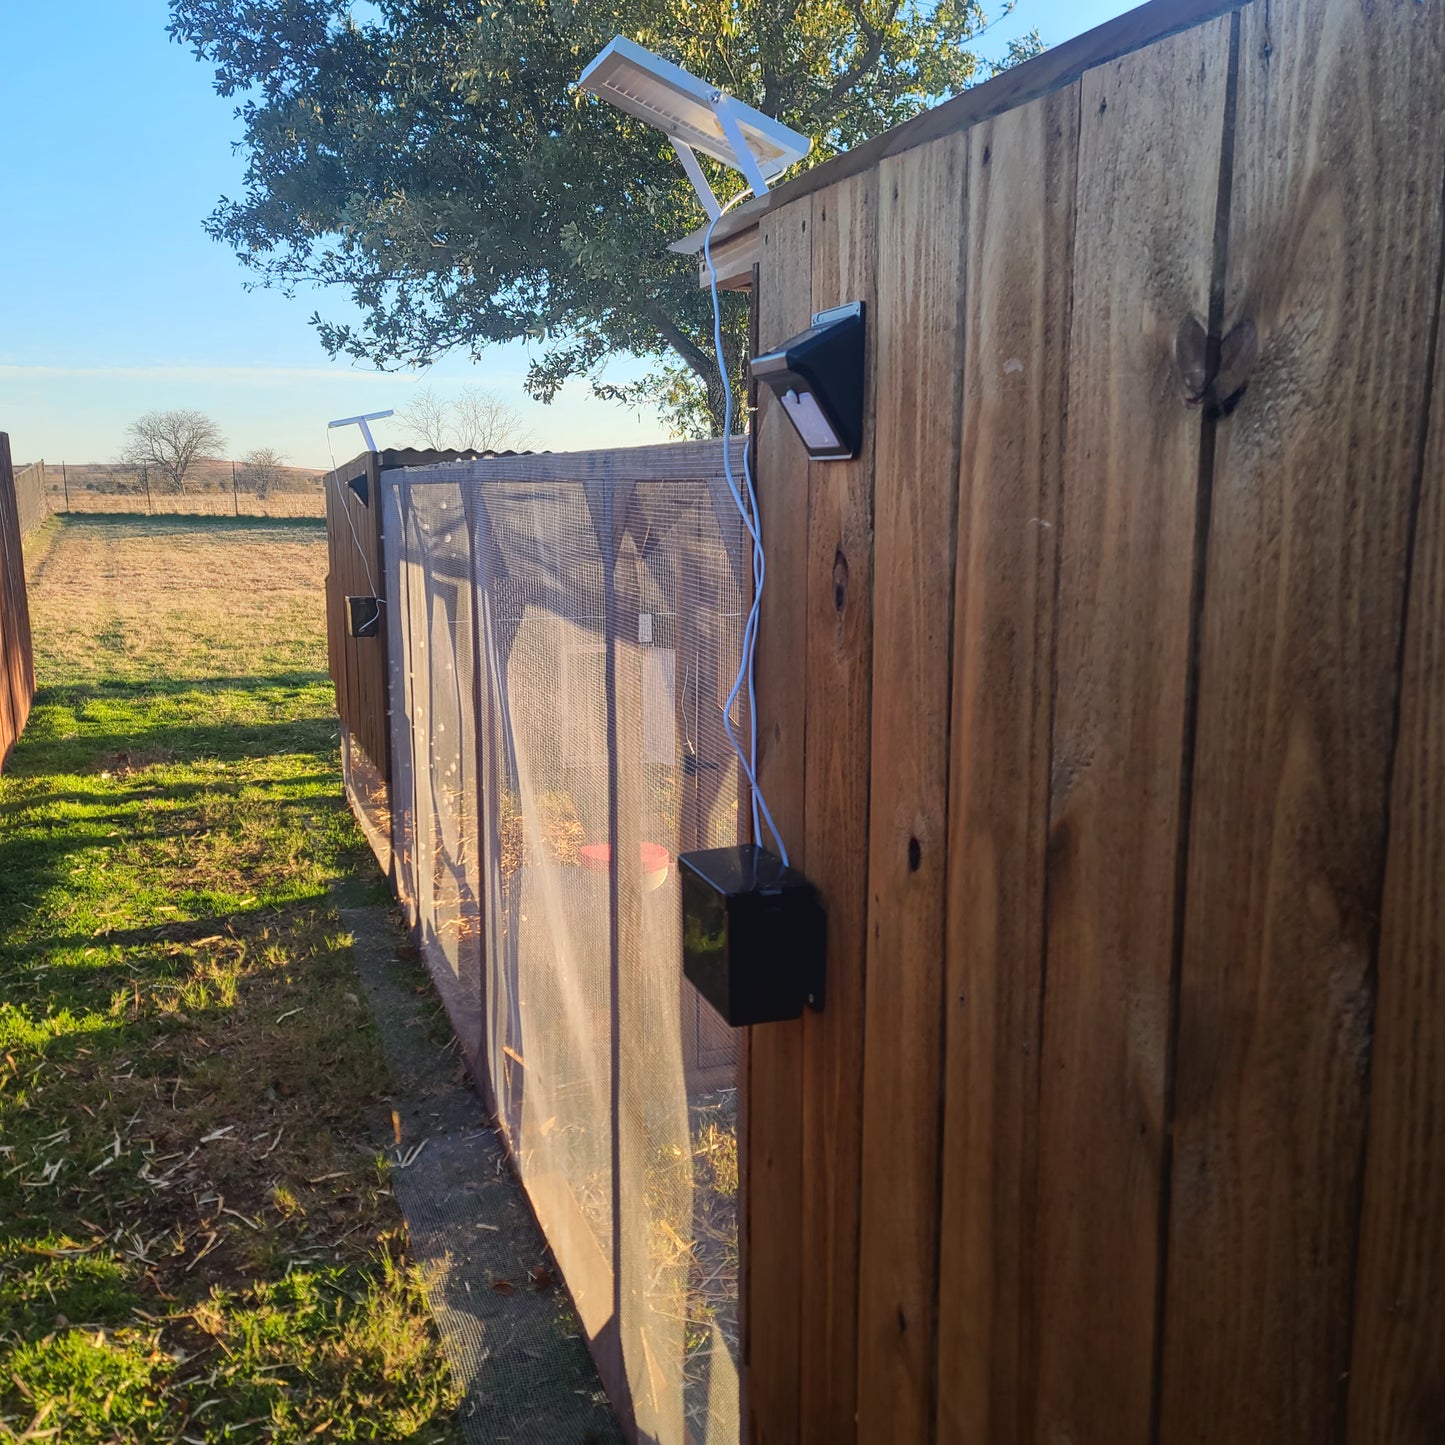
(1103, 697)
(17, 662)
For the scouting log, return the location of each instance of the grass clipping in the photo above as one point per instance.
(198, 1241)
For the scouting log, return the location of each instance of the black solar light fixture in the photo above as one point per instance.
(818, 377)
(754, 935)
(364, 616)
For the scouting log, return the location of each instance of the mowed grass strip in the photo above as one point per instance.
(197, 1238)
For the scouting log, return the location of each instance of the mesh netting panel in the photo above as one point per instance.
(397, 616)
(552, 787)
(369, 797)
(444, 858)
(676, 599)
(550, 955)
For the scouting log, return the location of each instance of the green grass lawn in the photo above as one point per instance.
(197, 1238)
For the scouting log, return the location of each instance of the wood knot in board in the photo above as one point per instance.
(1214, 373)
(915, 855)
(1191, 360)
(840, 580)
(1237, 354)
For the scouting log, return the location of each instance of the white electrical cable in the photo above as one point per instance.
(346, 512)
(748, 510)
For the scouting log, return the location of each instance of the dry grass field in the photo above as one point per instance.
(198, 1240)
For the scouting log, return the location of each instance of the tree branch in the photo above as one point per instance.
(850, 78)
(689, 350)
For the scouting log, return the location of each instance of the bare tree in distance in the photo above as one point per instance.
(476, 419)
(262, 470)
(170, 443)
(484, 422)
(425, 417)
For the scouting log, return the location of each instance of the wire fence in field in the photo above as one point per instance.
(211, 489)
(31, 504)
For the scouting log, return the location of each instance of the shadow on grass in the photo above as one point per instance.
(122, 802)
(66, 694)
(161, 956)
(186, 931)
(139, 524)
(163, 744)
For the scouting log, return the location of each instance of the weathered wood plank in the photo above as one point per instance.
(839, 628)
(1399, 1336)
(1149, 159)
(359, 664)
(772, 1243)
(1015, 379)
(733, 259)
(918, 350)
(1334, 245)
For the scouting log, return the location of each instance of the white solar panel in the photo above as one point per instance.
(686, 108)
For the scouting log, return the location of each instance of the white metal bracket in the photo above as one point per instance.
(704, 191)
(361, 421)
(747, 163)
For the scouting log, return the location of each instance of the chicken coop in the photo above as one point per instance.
(1099, 695)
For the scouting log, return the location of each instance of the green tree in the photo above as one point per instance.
(434, 160)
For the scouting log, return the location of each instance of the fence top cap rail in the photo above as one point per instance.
(390, 457)
(661, 462)
(1054, 69)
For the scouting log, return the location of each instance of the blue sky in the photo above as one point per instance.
(114, 149)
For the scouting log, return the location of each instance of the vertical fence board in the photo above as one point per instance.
(921, 225)
(1149, 158)
(1021, 200)
(1399, 1333)
(356, 567)
(839, 624)
(1333, 255)
(772, 1242)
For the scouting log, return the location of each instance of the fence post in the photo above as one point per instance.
(145, 474)
(235, 495)
(65, 482)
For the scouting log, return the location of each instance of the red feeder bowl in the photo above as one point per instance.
(654, 858)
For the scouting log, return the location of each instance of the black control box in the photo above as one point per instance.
(754, 935)
(364, 616)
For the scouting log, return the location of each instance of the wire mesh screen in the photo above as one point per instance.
(370, 797)
(564, 635)
(435, 837)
